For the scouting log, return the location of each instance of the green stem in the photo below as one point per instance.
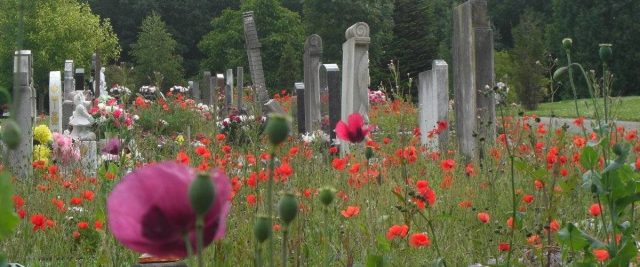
(285, 237)
(270, 202)
(573, 85)
(327, 235)
(513, 187)
(435, 239)
(199, 245)
(187, 243)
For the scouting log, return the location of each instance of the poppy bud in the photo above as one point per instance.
(605, 52)
(262, 229)
(277, 128)
(327, 195)
(368, 153)
(202, 193)
(567, 43)
(288, 208)
(11, 134)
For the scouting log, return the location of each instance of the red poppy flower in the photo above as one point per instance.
(397, 231)
(419, 240)
(447, 164)
(83, 225)
(38, 221)
(339, 163)
(504, 247)
(88, 195)
(483, 217)
(76, 201)
(18, 201)
(528, 198)
(98, 224)
(595, 210)
(182, 158)
(601, 254)
(350, 211)
(251, 199)
(354, 131)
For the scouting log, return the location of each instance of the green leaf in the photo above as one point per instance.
(623, 202)
(572, 237)
(8, 218)
(624, 255)
(588, 157)
(383, 243)
(591, 181)
(438, 262)
(375, 261)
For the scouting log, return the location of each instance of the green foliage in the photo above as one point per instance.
(320, 18)
(155, 51)
(528, 51)
(54, 30)
(592, 22)
(414, 30)
(281, 35)
(8, 218)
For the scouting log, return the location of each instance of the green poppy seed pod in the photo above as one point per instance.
(368, 153)
(202, 193)
(288, 208)
(277, 128)
(567, 43)
(262, 229)
(618, 150)
(327, 194)
(605, 52)
(11, 134)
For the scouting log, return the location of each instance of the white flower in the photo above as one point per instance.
(163, 122)
(136, 117)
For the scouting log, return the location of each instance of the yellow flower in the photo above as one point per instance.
(41, 152)
(42, 134)
(179, 139)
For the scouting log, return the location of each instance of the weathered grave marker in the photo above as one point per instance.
(55, 102)
(207, 98)
(21, 158)
(312, 61)
(255, 58)
(433, 96)
(355, 71)
(300, 99)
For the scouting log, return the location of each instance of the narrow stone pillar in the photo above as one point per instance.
(255, 58)
(55, 101)
(21, 158)
(355, 71)
(330, 75)
(69, 88)
(228, 91)
(206, 89)
(300, 99)
(240, 87)
(312, 60)
(433, 97)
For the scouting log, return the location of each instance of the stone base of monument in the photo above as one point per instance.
(146, 260)
(67, 109)
(89, 157)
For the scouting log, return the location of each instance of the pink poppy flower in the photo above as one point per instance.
(149, 210)
(355, 131)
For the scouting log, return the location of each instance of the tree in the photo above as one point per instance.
(590, 23)
(529, 49)
(155, 51)
(330, 20)
(281, 35)
(54, 30)
(414, 30)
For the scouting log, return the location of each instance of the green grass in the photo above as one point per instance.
(622, 108)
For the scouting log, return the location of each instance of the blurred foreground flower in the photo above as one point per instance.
(354, 131)
(149, 210)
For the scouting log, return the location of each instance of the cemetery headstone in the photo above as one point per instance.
(312, 61)
(255, 58)
(272, 106)
(228, 91)
(219, 91)
(300, 95)
(331, 98)
(433, 96)
(207, 98)
(240, 86)
(473, 71)
(55, 102)
(69, 90)
(355, 71)
(23, 99)
(79, 78)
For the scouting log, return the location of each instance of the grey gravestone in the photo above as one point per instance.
(255, 59)
(228, 91)
(79, 78)
(96, 71)
(219, 90)
(195, 92)
(272, 106)
(55, 102)
(240, 86)
(331, 100)
(23, 99)
(69, 88)
(473, 70)
(355, 71)
(300, 99)
(433, 96)
(312, 58)
(88, 157)
(207, 98)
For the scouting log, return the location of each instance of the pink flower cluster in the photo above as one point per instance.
(64, 152)
(377, 97)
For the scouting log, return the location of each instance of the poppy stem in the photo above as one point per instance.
(285, 236)
(187, 243)
(199, 227)
(270, 201)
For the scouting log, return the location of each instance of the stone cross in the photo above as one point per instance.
(255, 59)
(473, 71)
(300, 99)
(433, 96)
(312, 61)
(240, 86)
(330, 98)
(228, 91)
(21, 158)
(355, 71)
(207, 96)
(69, 91)
(55, 102)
